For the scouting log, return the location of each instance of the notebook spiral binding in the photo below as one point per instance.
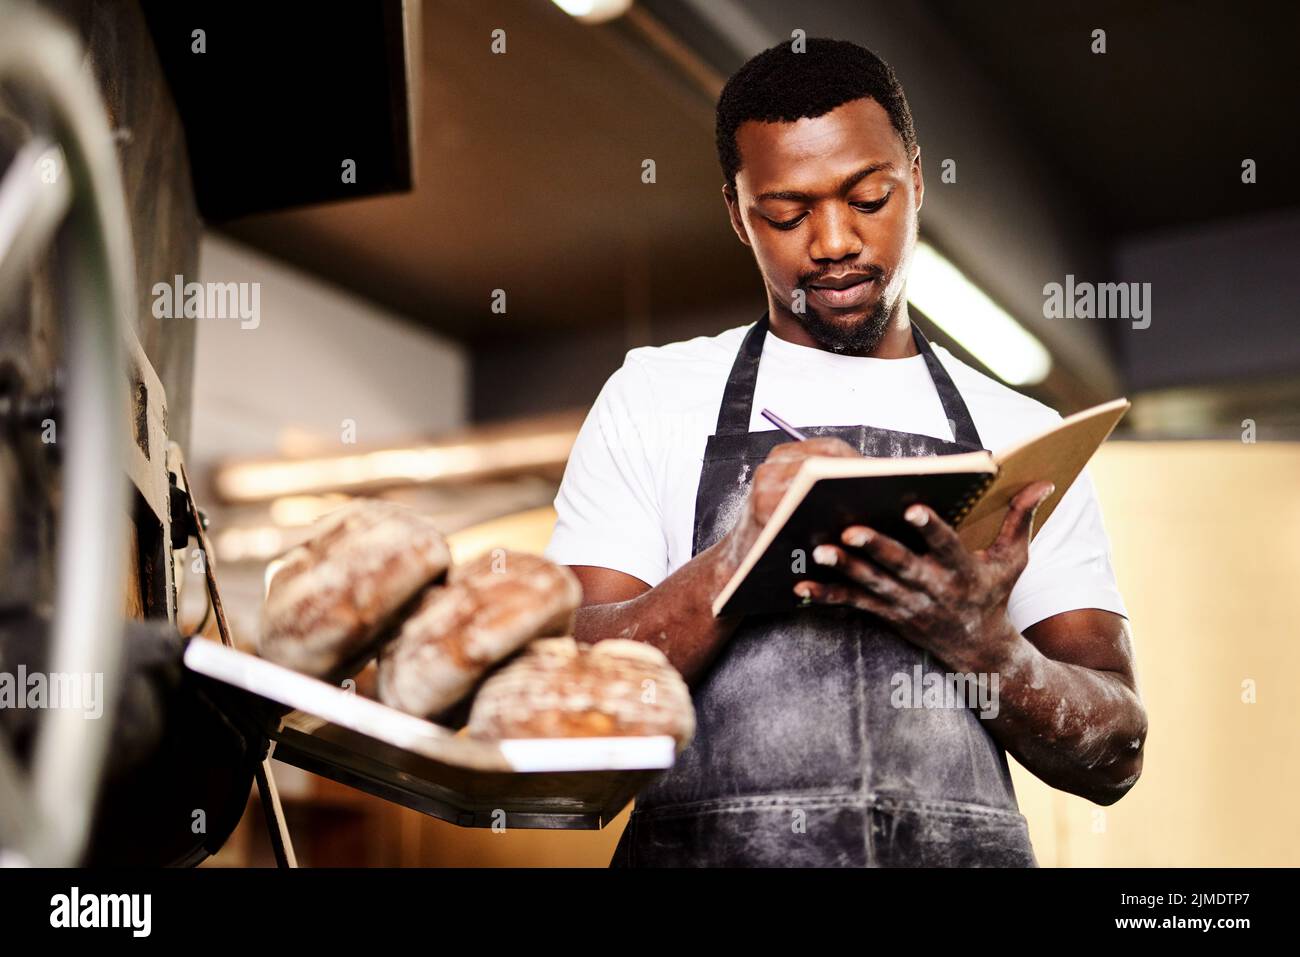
(957, 514)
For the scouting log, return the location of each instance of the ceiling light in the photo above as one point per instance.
(979, 325)
(594, 11)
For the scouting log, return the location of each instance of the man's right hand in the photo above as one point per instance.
(771, 480)
(676, 616)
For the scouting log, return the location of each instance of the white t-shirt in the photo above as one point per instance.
(627, 500)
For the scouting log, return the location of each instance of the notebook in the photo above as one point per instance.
(971, 490)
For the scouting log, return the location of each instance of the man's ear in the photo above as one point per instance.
(733, 210)
(918, 181)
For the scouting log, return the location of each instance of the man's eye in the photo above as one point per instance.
(789, 223)
(872, 205)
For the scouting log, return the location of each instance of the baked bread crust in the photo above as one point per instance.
(336, 593)
(487, 611)
(560, 689)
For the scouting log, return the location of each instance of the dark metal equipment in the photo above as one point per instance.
(140, 768)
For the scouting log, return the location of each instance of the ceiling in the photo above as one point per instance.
(1154, 131)
(529, 163)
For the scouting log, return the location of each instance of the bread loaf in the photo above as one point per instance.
(488, 610)
(560, 689)
(337, 592)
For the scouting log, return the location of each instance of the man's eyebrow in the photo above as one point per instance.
(849, 183)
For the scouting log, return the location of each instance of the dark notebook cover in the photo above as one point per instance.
(832, 504)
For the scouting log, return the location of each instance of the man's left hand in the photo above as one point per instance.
(950, 601)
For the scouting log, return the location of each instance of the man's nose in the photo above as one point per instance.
(833, 235)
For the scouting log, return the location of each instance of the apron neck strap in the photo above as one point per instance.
(738, 397)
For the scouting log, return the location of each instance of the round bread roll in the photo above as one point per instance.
(560, 689)
(336, 592)
(488, 610)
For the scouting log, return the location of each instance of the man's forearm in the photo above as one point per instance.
(676, 616)
(1076, 728)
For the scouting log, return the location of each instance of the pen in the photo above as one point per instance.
(783, 425)
(794, 433)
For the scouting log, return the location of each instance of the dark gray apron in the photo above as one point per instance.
(799, 756)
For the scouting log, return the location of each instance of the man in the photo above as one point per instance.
(805, 754)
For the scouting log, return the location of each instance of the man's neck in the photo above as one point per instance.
(896, 343)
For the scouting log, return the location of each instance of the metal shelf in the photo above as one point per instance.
(562, 783)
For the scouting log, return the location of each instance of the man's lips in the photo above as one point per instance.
(842, 281)
(843, 291)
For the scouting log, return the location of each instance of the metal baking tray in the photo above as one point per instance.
(574, 783)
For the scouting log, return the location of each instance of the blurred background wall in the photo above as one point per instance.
(1206, 543)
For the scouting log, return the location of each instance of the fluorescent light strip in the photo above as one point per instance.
(982, 327)
(594, 11)
(254, 481)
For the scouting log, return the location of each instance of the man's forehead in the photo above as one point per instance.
(850, 137)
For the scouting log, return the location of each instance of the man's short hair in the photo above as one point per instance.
(779, 85)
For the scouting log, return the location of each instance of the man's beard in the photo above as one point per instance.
(856, 340)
